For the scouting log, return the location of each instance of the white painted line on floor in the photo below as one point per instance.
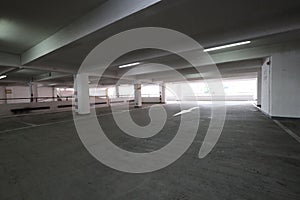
(69, 120)
(291, 133)
(26, 123)
(185, 111)
(16, 129)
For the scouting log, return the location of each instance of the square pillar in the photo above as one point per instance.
(117, 91)
(137, 95)
(82, 94)
(258, 103)
(162, 92)
(33, 91)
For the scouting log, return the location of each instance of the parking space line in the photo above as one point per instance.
(58, 122)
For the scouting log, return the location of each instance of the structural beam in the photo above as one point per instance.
(9, 60)
(218, 58)
(50, 75)
(89, 23)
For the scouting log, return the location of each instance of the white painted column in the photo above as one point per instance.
(162, 92)
(53, 93)
(75, 100)
(266, 87)
(107, 97)
(259, 87)
(137, 95)
(33, 91)
(83, 97)
(117, 91)
(284, 84)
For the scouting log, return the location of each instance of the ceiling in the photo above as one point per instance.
(211, 23)
(24, 24)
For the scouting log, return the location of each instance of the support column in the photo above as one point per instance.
(137, 95)
(162, 92)
(266, 87)
(83, 97)
(117, 91)
(75, 100)
(33, 91)
(107, 97)
(53, 93)
(259, 88)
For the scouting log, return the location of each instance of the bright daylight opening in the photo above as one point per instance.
(235, 90)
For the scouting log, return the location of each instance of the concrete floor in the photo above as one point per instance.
(42, 157)
(291, 124)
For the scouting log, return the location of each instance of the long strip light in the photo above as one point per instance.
(226, 46)
(3, 76)
(129, 65)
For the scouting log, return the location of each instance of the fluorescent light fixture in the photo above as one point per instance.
(129, 65)
(3, 76)
(227, 46)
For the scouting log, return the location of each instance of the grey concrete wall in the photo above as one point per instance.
(5, 110)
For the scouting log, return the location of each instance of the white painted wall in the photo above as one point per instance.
(24, 92)
(2, 94)
(285, 95)
(150, 90)
(45, 91)
(18, 92)
(63, 92)
(126, 90)
(98, 92)
(150, 99)
(235, 90)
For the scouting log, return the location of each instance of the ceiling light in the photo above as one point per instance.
(3, 76)
(129, 65)
(227, 46)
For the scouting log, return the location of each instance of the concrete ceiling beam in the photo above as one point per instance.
(50, 76)
(9, 60)
(87, 24)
